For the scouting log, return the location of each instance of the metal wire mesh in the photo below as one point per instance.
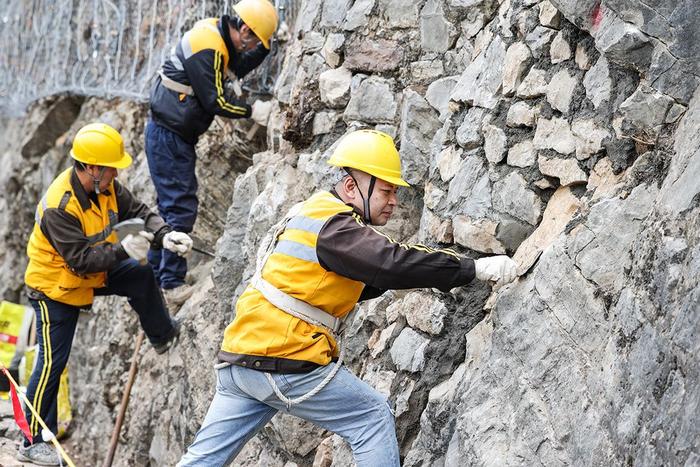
(101, 47)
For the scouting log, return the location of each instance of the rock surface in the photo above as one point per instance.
(589, 358)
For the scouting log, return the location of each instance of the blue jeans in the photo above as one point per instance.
(244, 402)
(55, 328)
(171, 162)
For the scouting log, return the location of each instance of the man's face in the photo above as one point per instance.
(383, 199)
(248, 39)
(110, 173)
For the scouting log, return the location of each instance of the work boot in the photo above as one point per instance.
(39, 453)
(175, 297)
(171, 341)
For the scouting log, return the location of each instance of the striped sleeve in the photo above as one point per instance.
(205, 71)
(352, 249)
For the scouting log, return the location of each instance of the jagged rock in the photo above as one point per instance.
(435, 229)
(543, 184)
(307, 15)
(554, 134)
(495, 143)
(623, 43)
(334, 86)
(312, 42)
(613, 224)
(675, 113)
(469, 191)
(534, 84)
(516, 61)
(372, 101)
(473, 23)
(378, 55)
(408, 351)
(469, 132)
(399, 13)
(433, 196)
(538, 39)
(560, 50)
(438, 94)
(358, 15)
(603, 181)
(560, 90)
(418, 125)
(559, 211)
(644, 112)
(481, 81)
(427, 71)
(581, 57)
(478, 235)
(424, 311)
(597, 82)
(333, 13)
(437, 34)
(402, 399)
(332, 49)
(549, 15)
(681, 186)
(449, 160)
(379, 379)
(324, 122)
(566, 170)
(512, 196)
(589, 138)
(521, 114)
(522, 154)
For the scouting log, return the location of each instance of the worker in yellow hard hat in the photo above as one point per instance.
(75, 254)
(281, 351)
(188, 93)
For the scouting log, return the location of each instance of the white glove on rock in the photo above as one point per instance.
(137, 246)
(500, 269)
(177, 242)
(261, 112)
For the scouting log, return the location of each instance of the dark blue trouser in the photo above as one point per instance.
(171, 162)
(55, 327)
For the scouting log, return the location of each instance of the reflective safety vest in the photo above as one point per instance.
(262, 329)
(47, 271)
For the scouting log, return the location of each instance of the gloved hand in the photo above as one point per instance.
(137, 246)
(282, 33)
(261, 112)
(177, 242)
(499, 269)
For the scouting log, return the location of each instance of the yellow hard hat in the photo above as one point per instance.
(372, 152)
(260, 16)
(100, 144)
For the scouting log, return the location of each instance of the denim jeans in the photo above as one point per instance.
(244, 402)
(171, 162)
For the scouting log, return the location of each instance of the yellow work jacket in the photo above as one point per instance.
(261, 329)
(47, 271)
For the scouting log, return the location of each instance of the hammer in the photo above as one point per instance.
(136, 225)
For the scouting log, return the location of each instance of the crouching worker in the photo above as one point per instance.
(74, 255)
(280, 352)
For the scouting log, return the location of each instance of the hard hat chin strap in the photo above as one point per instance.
(96, 180)
(365, 201)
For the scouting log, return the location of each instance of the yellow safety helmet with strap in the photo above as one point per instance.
(372, 152)
(260, 16)
(100, 144)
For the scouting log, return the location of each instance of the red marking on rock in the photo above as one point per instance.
(596, 15)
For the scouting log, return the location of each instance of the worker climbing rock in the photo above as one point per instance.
(282, 351)
(74, 255)
(188, 94)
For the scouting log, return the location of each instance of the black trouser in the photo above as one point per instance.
(55, 326)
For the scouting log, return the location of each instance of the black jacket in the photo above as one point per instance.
(199, 60)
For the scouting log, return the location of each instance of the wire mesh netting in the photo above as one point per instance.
(101, 47)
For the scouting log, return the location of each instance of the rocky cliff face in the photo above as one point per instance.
(563, 133)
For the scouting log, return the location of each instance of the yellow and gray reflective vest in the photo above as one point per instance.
(284, 341)
(48, 271)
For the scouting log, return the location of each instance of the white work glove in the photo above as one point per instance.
(260, 112)
(500, 269)
(282, 33)
(177, 242)
(137, 246)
